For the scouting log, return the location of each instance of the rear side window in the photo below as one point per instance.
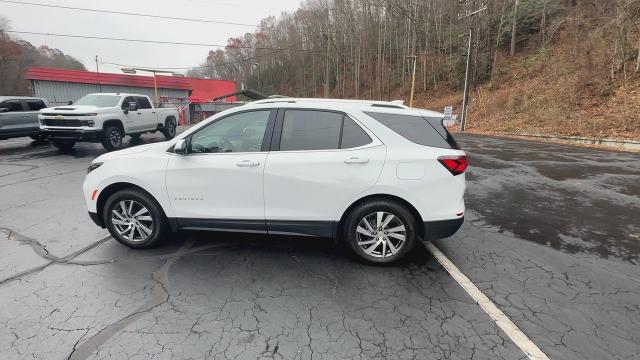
(353, 135)
(310, 130)
(417, 129)
(12, 105)
(36, 105)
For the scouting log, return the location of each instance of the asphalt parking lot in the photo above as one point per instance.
(552, 237)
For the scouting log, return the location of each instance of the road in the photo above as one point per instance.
(552, 238)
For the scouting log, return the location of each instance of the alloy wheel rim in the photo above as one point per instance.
(132, 221)
(172, 128)
(381, 234)
(114, 137)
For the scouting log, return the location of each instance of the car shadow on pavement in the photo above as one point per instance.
(272, 245)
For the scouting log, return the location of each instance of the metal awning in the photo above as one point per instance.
(251, 94)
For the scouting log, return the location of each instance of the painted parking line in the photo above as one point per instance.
(517, 336)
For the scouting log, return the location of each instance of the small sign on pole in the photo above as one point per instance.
(447, 120)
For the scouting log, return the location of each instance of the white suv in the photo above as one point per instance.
(377, 175)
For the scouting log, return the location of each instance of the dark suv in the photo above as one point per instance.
(19, 116)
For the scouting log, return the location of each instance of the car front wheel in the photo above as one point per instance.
(169, 130)
(112, 138)
(380, 231)
(135, 219)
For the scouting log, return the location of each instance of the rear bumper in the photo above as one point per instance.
(72, 134)
(434, 230)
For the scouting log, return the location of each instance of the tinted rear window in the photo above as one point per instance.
(417, 129)
(310, 130)
(36, 104)
(353, 135)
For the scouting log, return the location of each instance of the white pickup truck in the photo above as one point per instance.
(105, 118)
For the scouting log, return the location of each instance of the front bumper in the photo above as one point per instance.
(434, 230)
(72, 134)
(96, 219)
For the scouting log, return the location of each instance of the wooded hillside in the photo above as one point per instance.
(16, 56)
(568, 66)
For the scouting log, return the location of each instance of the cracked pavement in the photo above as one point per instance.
(551, 237)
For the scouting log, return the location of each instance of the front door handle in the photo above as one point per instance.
(356, 160)
(248, 163)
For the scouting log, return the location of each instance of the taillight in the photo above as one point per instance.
(455, 164)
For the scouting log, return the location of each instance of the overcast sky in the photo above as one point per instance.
(63, 21)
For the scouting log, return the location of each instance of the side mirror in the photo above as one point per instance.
(180, 147)
(2, 110)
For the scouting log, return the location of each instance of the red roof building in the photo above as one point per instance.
(61, 85)
(88, 77)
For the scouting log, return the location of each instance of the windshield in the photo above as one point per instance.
(99, 100)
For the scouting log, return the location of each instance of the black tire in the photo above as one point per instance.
(158, 225)
(63, 145)
(112, 138)
(382, 241)
(169, 129)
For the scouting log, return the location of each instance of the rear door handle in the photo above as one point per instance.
(248, 163)
(356, 160)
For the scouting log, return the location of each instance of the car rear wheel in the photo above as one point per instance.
(112, 138)
(135, 219)
(380, 231)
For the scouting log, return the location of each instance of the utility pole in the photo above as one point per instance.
(326, 70)
(465, 99)
(98, 74)
(413, 79)
(465, 96)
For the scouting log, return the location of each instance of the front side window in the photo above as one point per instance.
(12, 105)
(310, 130)
(143, 103)
(243, 132)
(127, 100)
(99, 100)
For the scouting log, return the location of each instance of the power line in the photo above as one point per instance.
(147, 41)
(208, 66)
(127, 13)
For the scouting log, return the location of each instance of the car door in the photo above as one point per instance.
(320, 161)
(218, 183)
(12, 121)
(31, 123)
(148, 119)
(132, 119)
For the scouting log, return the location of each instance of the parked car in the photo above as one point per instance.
(106, 118)
(377, 175)
(19, 116)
